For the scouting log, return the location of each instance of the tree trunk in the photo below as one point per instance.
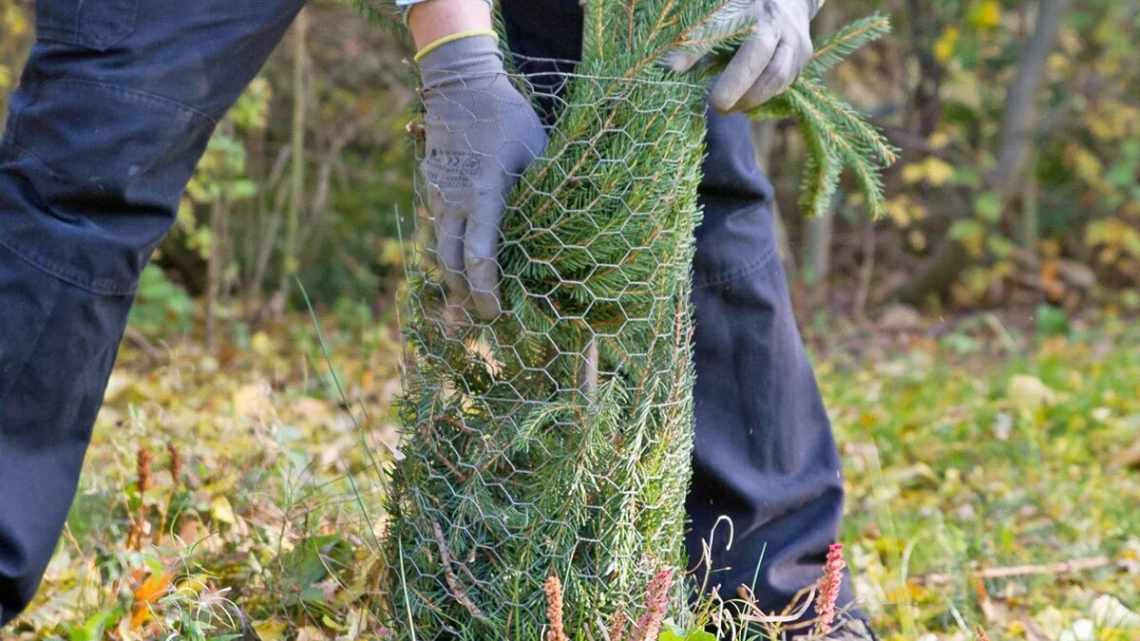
(819, 230)
(1019, 123)
(1030, 228)
(1019, 126)
(289, 257)
(216, 267)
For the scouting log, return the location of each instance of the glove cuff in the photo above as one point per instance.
(458, 57)
(461, 35)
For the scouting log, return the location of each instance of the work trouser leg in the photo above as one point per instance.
(764, 454)
(114, 109)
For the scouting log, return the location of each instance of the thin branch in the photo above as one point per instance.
(457, 591)
(1072, 566)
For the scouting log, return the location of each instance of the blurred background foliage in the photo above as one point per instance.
(1019, 185)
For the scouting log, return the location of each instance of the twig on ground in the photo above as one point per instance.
(1072, 566)
(136, 338)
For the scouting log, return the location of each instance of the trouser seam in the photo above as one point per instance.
(137, 94)
(54, 272)
(747, 269)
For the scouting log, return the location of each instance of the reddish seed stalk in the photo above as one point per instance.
(175, 463)
(617, 627)
(982, 635)
(553, 589)
(138, 523)
(143, 464)
(828, 589)
(656, 605)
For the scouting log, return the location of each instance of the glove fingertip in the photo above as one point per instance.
(682, 62)
(487, 304)
(723, 96)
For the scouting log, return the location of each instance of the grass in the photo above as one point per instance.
(978, 459)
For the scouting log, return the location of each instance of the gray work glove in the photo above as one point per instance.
(768, 61)
(481, 134)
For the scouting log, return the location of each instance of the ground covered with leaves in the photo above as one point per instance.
(993, 474)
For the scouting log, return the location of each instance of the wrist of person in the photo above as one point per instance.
(405, 6)
(435, 21)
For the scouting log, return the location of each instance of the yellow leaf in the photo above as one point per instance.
(935, 171)
(917, 239)
(261, 344)
(310, 633)
(253, 401)
(192, 585)
(1029, 393)
(270, 630)
(14, 22)
(939, 139)
(913, 173)
(221, 510)
(938, 171)
(946, 44)
(986, 14)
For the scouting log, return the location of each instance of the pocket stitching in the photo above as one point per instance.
(94, 38)
(140, 96)
(728, 275)
(67, 275)
(130, 11)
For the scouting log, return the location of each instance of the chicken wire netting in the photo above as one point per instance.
(555, 437)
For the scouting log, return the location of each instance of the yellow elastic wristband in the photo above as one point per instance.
(460, 35)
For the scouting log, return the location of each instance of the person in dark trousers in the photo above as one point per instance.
(114, 109)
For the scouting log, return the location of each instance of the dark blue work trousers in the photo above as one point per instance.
(114, 109)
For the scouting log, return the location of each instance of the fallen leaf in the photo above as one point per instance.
(1028, 393)
(221, 510)
(270, 630)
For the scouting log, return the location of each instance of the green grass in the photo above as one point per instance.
(978, 449)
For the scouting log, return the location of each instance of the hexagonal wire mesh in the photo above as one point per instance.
(555, 438)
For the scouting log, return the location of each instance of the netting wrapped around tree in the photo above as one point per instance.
(555, 439)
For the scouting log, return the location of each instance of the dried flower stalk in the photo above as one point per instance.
(656, 604)
(829, 585)
(553, 588)
(617, 626)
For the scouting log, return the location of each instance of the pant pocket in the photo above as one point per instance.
(93, 24)
(91, 175)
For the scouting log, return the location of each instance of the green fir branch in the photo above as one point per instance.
(837, 135)
(834, 49)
